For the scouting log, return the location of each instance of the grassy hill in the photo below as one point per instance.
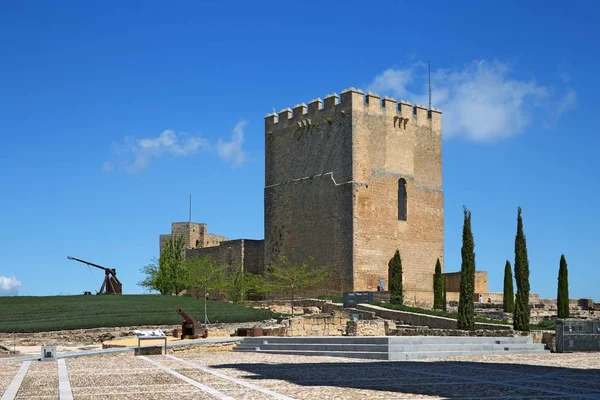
(50, 313)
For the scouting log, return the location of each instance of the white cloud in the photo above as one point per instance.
(231, 151)
(393, 81)
(480, 101)
(9, 286)
(567, 103)
(136, 154)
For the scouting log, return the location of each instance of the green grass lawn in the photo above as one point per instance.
(544, 325)
(335, 299)
(51, 313)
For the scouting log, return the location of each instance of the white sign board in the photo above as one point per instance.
(150, 334)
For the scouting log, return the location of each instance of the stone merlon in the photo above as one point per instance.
(354, 98)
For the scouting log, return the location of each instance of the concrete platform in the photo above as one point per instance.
(391, 347)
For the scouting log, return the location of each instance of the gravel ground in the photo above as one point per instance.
(123, 376)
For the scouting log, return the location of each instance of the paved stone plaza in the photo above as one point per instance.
(229, 375)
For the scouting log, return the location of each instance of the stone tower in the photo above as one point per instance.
(348, 182)
(195, 235)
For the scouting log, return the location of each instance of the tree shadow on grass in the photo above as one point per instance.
(447, 379)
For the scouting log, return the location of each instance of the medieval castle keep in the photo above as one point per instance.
(348, 180)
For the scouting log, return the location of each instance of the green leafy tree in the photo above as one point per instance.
(172, 272)
(205, 275)
(522, 312)
(237, 284)
(153, 280)
(261, 284)
(396, 290)
(508, 300)
(466, 309)
(284, 275)
(438, 282)
(562, 298)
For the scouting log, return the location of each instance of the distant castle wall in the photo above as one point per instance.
(195, 235)
(245, 254)
(452, 280)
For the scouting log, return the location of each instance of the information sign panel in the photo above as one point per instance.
(351, 299)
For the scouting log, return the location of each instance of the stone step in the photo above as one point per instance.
(319, 339)
(394, 356)
(466, 347)
(399, 356)
(317, 347)
(391, 348)
(408, 340)
(345, 354)
(457, 340)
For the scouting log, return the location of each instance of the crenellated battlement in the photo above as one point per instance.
(353, 97)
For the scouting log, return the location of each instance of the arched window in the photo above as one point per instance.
(401, 199)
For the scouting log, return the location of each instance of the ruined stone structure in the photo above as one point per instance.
(349, 180)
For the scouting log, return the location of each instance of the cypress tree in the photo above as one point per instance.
(438, 287)
(509, 294)
(466, 309)
(522, 312)
(562, 298)
(396, 293)
(443, 294)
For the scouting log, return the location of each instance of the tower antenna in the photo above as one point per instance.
(429, 70)
(190, 208)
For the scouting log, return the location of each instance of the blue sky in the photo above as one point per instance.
(113, 113)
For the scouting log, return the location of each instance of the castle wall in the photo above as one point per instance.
(162, 241)
(211, 239)
(452, 280)
(241, 253)
(392, 142)
(254, 256)
(308, 196)
(230, 252)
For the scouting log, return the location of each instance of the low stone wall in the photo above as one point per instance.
(333, 324)
(431, 321)
(201, 348)
(374, 327)
(331, 307)
(424, 331)
(549, 339)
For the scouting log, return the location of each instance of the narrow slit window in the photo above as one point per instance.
(401, 199)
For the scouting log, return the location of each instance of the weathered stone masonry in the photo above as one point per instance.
(246, 254)
(332, 175)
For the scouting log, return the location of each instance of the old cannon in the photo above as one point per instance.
(190, 328)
